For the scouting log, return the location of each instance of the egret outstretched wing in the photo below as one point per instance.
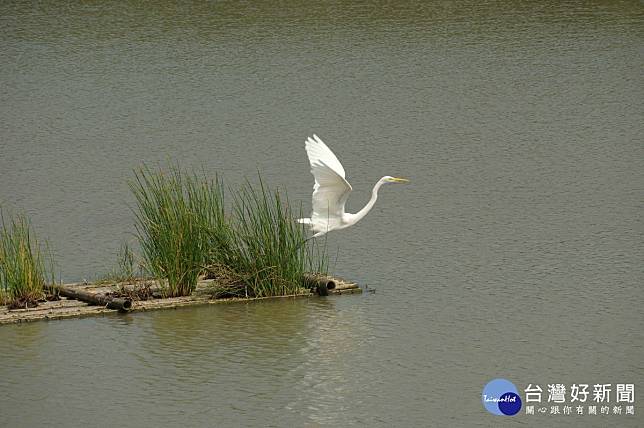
(329, 195)
(331, 189)
(318, 151)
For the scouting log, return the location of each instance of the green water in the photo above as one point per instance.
(516, 251)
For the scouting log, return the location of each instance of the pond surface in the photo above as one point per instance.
(515, 252)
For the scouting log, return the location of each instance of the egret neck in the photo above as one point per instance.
(374, 197)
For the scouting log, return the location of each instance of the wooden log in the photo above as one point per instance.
(122, 304)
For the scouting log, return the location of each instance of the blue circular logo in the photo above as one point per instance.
(501, 397)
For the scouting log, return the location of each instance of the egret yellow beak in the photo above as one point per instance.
(399, 180)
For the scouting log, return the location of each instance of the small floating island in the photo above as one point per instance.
(82, 300)
(193, 249)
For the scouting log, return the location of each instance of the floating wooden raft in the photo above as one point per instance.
(81, 300)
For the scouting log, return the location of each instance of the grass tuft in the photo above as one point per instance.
(22, 264)
(267, 251)
(124, 270)
(175, 211)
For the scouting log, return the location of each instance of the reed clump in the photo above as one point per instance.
(253, 249)
(24, 266)
(267, 249)
(175, 211)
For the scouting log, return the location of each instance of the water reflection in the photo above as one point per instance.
(261, 330)
(23, 342)
(337, 343)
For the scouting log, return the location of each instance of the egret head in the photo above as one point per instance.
(389, 179)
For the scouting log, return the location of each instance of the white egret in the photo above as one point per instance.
(331, 190)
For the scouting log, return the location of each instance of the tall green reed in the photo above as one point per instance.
(175, 212)
(268, 250)
(124, 269)
(23, 265)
